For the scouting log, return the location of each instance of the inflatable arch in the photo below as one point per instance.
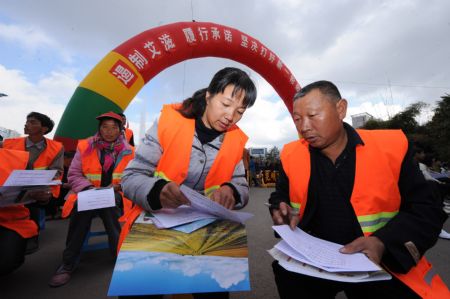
(119, 76)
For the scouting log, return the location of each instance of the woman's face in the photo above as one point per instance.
(223, 109)
(109, 130)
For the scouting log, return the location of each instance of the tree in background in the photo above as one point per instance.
(439, 129)
(405, 120)
(273, 154)
(434, 135)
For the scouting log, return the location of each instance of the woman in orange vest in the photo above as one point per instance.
(360, 188)
(99, 162)
(197, 144)
(16, 227)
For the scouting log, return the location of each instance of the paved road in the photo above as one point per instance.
(91, 280)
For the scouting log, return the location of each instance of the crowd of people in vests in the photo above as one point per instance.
(94, 164)
(327, 183)
(260, 171)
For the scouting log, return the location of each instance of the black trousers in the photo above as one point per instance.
(12, 250)
(79, 226)
(294, 285)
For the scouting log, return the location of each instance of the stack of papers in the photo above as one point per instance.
(302, 253)
(31, 178)
(202, 211)
(149, 218)
(168, 218)
(19, 184)
(205, 205)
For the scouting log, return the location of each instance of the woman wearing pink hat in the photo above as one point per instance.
(99, 162)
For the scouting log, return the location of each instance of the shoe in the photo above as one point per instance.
(444, 234)
(61, 277)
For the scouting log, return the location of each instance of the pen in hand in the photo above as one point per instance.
(272, 206)
(283, 213)
(276, 206)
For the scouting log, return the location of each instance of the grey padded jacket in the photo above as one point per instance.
(138, 178)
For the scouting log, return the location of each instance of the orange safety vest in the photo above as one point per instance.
(92, 170)
(45, 158)
(16, 218)
(175, 134)
(128, 134)
(375, 198)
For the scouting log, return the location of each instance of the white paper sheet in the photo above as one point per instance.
(96, 199)
(293, 265)
(145, 218)
(193, 226)
(205, 205)
(30, 178)
(167, 218)
(323, 252)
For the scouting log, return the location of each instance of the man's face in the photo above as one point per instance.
(318, 119)
(34, 127)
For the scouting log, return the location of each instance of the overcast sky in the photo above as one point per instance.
(383, 55)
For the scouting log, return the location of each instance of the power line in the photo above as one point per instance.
(387, 85)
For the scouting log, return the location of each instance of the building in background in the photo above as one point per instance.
(258, 152)
(360, 119)
(7, 133)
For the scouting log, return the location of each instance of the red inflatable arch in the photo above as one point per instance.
(116, 80)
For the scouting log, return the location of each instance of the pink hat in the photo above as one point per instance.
(110, 114)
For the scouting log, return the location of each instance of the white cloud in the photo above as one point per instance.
(32, 39)
(226, 271)
(268, 124)
(29, 37)
(49, 96)
(123, 266)
(372, 50)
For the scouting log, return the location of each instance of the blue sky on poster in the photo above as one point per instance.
(383, 55)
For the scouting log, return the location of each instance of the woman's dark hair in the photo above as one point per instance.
(43, 119)
(195, 106)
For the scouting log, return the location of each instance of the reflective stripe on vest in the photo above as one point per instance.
(371, 223)
(375, 199)
(160, 174)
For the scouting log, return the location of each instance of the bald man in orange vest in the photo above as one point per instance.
(356, 187)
